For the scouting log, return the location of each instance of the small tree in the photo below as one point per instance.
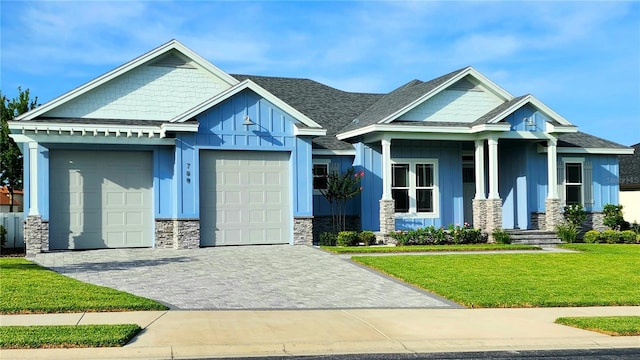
(574, 214)
(341, 188)
(10, 155)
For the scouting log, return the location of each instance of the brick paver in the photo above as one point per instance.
(241, 277)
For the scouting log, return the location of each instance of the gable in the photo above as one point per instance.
(157, 90)
(464, 101)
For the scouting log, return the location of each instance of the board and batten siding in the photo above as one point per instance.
(221, 129)
(527, 118)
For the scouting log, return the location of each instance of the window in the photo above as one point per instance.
(414, 186)
(573, 183)
(320, 174)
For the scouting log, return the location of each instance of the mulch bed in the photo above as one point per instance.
(12, 252)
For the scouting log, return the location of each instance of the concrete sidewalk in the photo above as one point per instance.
(198, 334)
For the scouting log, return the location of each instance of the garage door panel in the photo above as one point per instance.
(251, 203)
(106, 205)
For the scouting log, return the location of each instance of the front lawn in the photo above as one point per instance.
(66, 336)
(610, 325)
(425, 248)
(30, 288)
(598, 275)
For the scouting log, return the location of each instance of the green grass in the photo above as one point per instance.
(30, 288)
(610, 325)
(425, 248)
(599, 275)
(69, 336)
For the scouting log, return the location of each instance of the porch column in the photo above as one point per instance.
(493, 205)
(36, 231)
(493, 169)
(553, 215)
(387, 204)
(33, 179)
(386, 169)
(479, 201)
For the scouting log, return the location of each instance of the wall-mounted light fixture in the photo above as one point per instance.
(529, 121)
(247, 121)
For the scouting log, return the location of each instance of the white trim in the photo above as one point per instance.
(412, 162)
(494, 192)
(479, 169)
(309, 131)
(484, 81)
(601, 151)
(552, 165)
(140, 60)
(573, 160)
(83, 130)
(33, 179)
(180, 127)
(333, 152)
(531, 135)
(72, 139)
(491, 127)
(560, 128)
(385, 143)
(248, 84)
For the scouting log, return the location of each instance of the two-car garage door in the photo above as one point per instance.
(244, 197)
(100, 199)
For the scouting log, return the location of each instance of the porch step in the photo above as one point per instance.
(533, 237)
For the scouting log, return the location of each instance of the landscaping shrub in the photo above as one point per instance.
(501, 237)
(328, 239)
(367, 238)
(431, 235)
(627, 237)
(347, 238)
(613, 217)
(592, 236)
(574, 214)
(567, 232)
(610, 236)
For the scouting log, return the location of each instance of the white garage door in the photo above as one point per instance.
(100, 199)
(244, 198)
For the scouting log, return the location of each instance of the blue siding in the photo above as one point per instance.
(220, 128)
(449, 156)
(518, 123)
(371, 162)
(515, 182)
(164, 182)
(605, 180)
(320, 204)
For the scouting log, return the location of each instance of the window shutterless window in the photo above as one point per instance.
(414, 186)
(320, 174)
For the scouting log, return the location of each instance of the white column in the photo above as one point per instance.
(386, 169)
(479, 167)
(493, 168)
(552, 165)
(33, 179)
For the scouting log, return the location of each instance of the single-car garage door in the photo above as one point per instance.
(100, 199)
(244, 198)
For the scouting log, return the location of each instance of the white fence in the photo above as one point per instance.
(13, 223)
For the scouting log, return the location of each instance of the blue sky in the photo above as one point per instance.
(582, 59)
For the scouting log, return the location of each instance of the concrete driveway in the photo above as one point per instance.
(241, 277)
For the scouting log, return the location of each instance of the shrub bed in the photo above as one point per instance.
(439, 236)
(611, 237)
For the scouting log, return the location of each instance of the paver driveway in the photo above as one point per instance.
(240, 277)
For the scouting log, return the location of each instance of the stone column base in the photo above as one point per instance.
(553, 214)
(479, 214)
(177, 233)
(387, 220)
(303, 230)
(36, 235)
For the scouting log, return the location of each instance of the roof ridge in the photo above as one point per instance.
(249, 76)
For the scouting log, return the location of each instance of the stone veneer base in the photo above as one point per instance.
(177, 234)
(553, 214)
(303, 230)
(387, 221)
(36, 235)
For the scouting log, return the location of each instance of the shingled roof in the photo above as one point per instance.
(584, 140)
(630, 169)
(329, 107)
(398, 99)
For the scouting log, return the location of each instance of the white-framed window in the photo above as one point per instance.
(414, 186)
(320, 175)
(575, 181)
